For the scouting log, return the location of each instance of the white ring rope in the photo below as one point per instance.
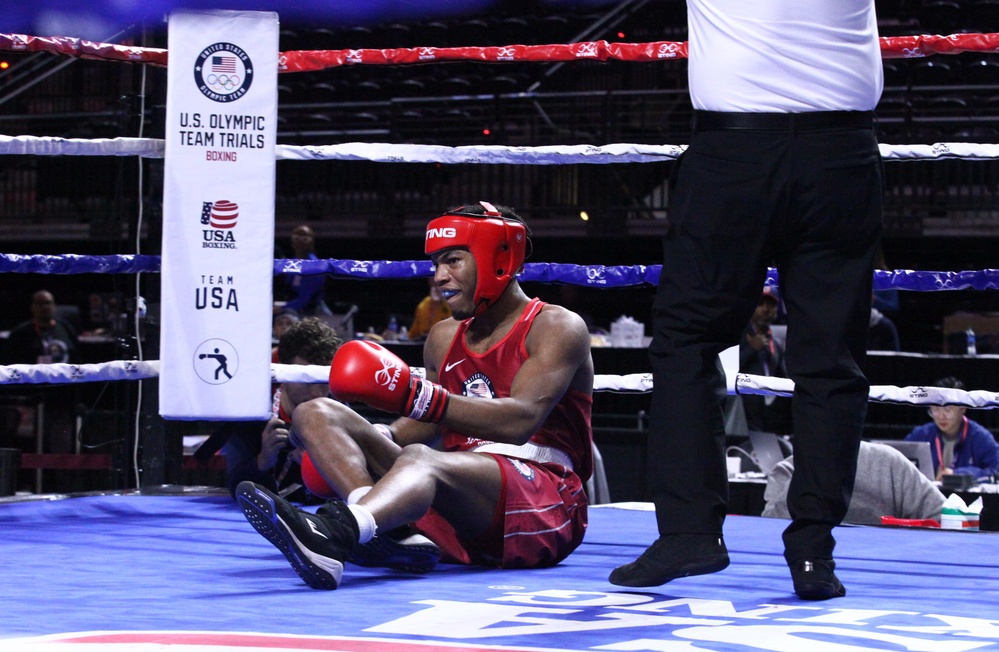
(481, 154)
(629, 383)
(476, 154)
(59, 373)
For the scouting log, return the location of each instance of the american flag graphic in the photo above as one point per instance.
(224, 214)
(223, 64)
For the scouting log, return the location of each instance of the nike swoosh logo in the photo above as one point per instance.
(449, 367)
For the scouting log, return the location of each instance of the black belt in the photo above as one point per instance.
(710, 120)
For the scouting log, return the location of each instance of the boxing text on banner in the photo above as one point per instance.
(218, 215)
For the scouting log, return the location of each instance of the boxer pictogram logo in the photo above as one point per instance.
(216, 361)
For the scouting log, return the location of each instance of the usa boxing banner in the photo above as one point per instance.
(218, 215)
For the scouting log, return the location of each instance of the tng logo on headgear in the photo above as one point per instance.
(443, 232)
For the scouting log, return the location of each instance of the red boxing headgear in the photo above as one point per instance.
(498, 245)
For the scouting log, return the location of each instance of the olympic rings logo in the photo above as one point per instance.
(222, 82)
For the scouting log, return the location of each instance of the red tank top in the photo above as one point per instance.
(490, 375)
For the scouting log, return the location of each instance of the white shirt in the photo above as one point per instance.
(781, 56)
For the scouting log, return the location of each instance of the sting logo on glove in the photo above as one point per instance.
(389, 375)
(395, 389)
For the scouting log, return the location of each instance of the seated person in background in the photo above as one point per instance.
(283, 320)
(43, 339)
(46, 339)
(958, 444)
(887, 484)
(883, 335)
(260, 451)
(493, 448)
(307, 291)
(432, 309)
(761, 355)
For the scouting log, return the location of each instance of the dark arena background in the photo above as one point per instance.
(150, 550)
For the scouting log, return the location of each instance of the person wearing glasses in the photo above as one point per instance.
(958, 444)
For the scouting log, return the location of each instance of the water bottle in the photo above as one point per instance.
(972, 347)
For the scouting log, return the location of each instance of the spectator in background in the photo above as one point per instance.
(958, 444)
(47, 339)
(307, 292)
(260, 451)
(760, 355)
(432, 309)
(284, 319)
(883, 335)
(43, 339)
(886, 484)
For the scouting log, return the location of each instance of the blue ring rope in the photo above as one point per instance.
(599, 276)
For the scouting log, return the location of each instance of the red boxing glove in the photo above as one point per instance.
(368, 372)
(313, 480)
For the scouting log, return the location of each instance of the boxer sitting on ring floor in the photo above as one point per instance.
(496, 440)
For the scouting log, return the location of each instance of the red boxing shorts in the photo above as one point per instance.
(540, 518)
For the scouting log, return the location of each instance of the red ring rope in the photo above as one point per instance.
(892, 47)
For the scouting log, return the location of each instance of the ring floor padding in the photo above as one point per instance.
(186, 572)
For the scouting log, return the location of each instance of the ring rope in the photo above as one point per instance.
(300, 61)
(602, 276)
(154, 148)
(62, 373)
(892, 47)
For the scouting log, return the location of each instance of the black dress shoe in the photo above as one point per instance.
(673, 556)
(815, 579)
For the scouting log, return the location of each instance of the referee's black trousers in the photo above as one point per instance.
(805, 195)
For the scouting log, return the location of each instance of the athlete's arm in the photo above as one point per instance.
(558, 346)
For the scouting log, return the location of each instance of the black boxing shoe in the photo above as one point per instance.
(402, 549)
(815, 579)
(673, 556)
(316, 545)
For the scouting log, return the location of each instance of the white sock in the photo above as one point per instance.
(358, 494)
(365, 522)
